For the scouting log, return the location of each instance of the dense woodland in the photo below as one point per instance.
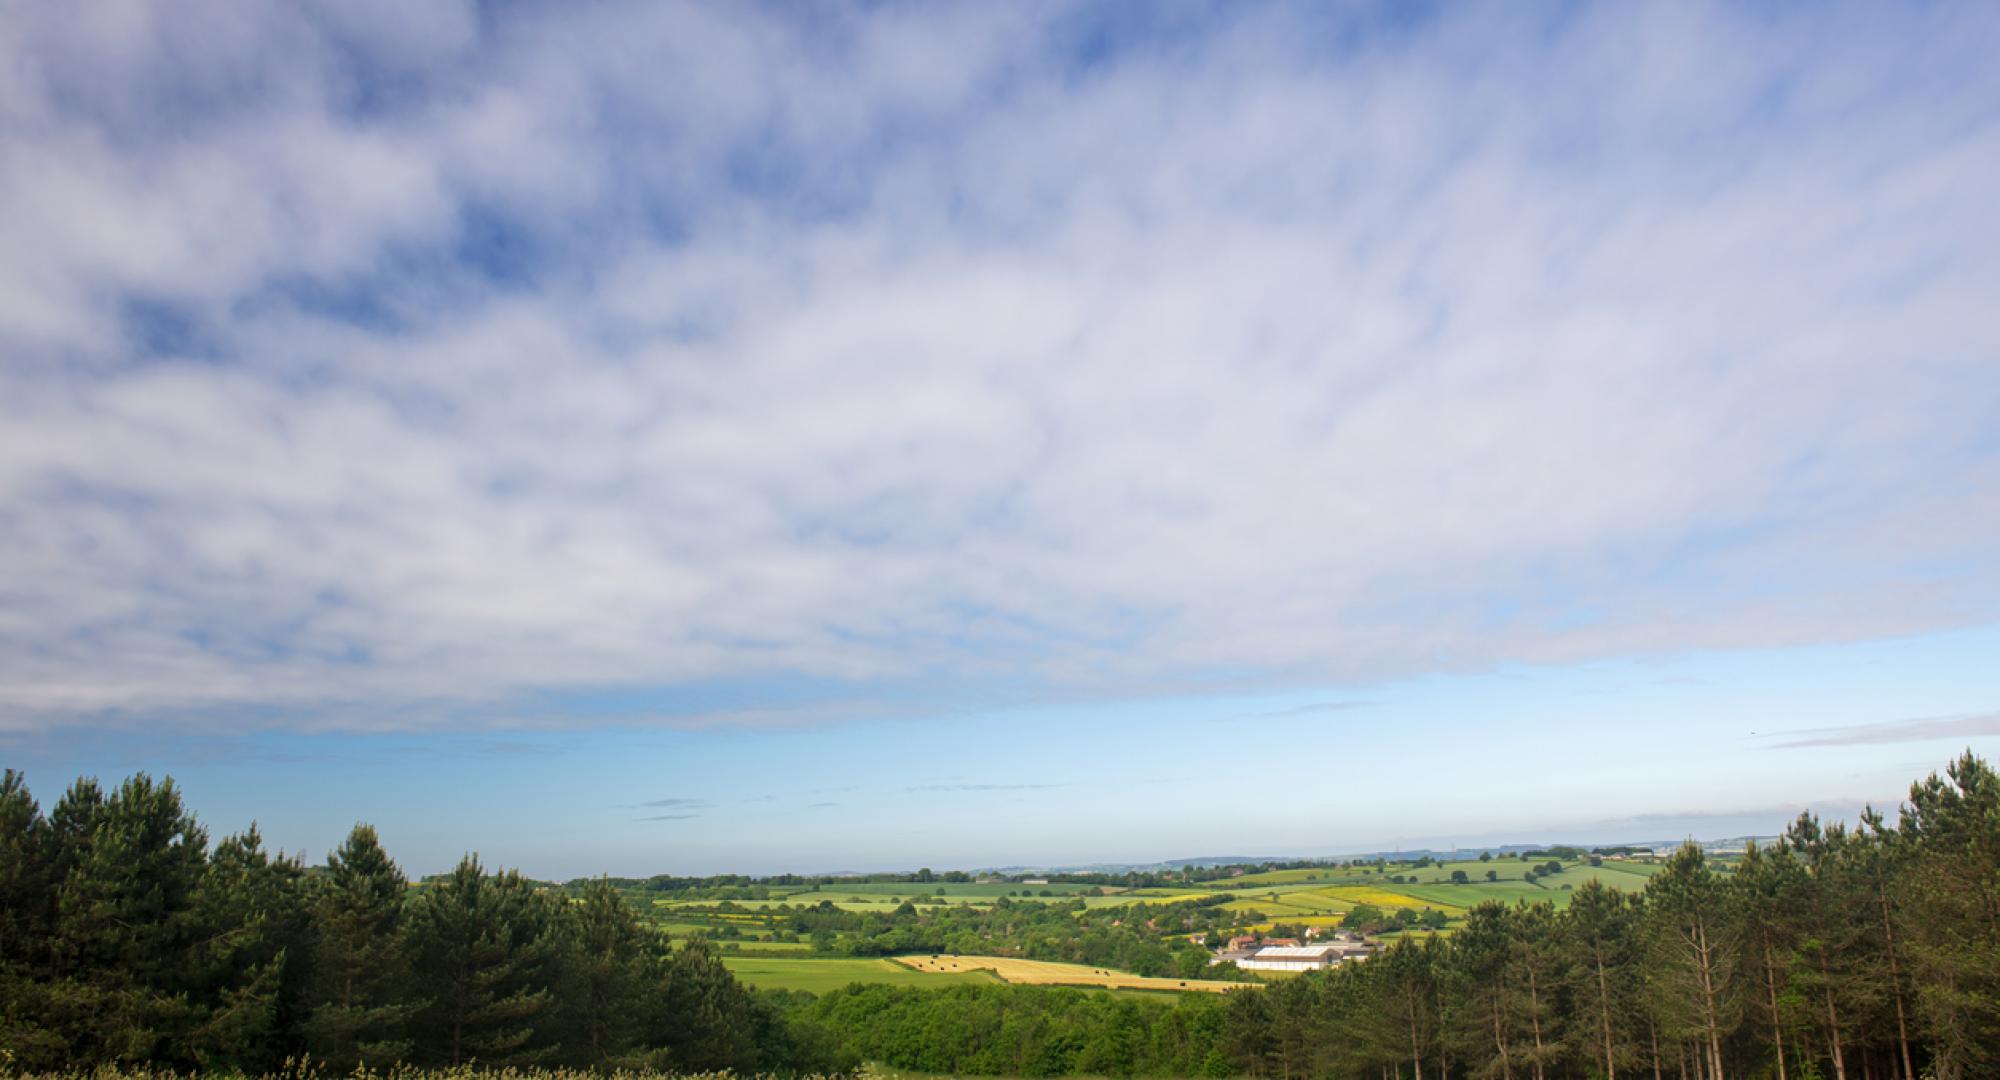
(128, 938)
(125, 936)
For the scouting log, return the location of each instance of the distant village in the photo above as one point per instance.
(1251, 953)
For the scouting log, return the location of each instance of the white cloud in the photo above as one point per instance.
(887, 350)
(1918, 729)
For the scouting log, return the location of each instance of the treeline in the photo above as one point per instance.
(1833, 953)
(747, 887)
(1870, 953)
(126, 937)
(1026, 1031)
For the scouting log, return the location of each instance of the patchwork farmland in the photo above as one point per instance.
(1151, 932)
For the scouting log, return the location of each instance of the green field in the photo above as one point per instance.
(1621, 873)
(1290, 905)
(818, 976)
(951, 891)
(1141, 896)
(1469, 896)
(1293, 877)
(752, 907)
(776, 948)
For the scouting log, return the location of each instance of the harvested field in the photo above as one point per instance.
(1047, 973)
(817, 976)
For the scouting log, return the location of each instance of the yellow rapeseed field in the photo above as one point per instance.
(1381, 898)
(1048, 973)
(1323, 921)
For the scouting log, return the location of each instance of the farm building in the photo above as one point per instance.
(1289, 955)
(1291, 958)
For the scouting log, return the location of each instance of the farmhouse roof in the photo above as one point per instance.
(1297, 952)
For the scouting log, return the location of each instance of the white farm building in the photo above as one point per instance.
(1291, 958)
(1295, 957)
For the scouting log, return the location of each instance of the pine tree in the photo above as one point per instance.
(126, 923)
(1536, 960)
(480, 943)
(27, 898)
(1599, 936)
(1831, 946)
(362, 997)
(1408, 993)
(1251, 1041)
(699, 1012)
(1691, 972)
(1768, 893)
(25, 893)
(604, 961)
(71, 827)
(1875, 864)
(1299, 1036)
(46, 1011)
(1482, 999)
(1953, 891)
(249, 961)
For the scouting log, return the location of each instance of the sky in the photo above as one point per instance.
(714, 437)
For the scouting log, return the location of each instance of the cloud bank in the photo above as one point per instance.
(379, 365)
(1920, 729)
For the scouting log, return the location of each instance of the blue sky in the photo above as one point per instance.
(687, 437)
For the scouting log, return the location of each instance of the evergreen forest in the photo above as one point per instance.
(129, 938)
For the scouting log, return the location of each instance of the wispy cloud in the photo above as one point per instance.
(667, 817)
(463, 749)
(1919, 729)
(820, 805)
(400, 372)
(1713, 824)
(983, 787)
(695, 804)
(1313, 709)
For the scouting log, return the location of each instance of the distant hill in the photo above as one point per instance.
(1724, 845)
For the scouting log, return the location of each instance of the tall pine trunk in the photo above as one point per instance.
(1771, 995)
(1604, 1017)
(1416, 1044)
(1705, 954)
(1535, 1022)
(1895, 979)
(1833, 1033)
